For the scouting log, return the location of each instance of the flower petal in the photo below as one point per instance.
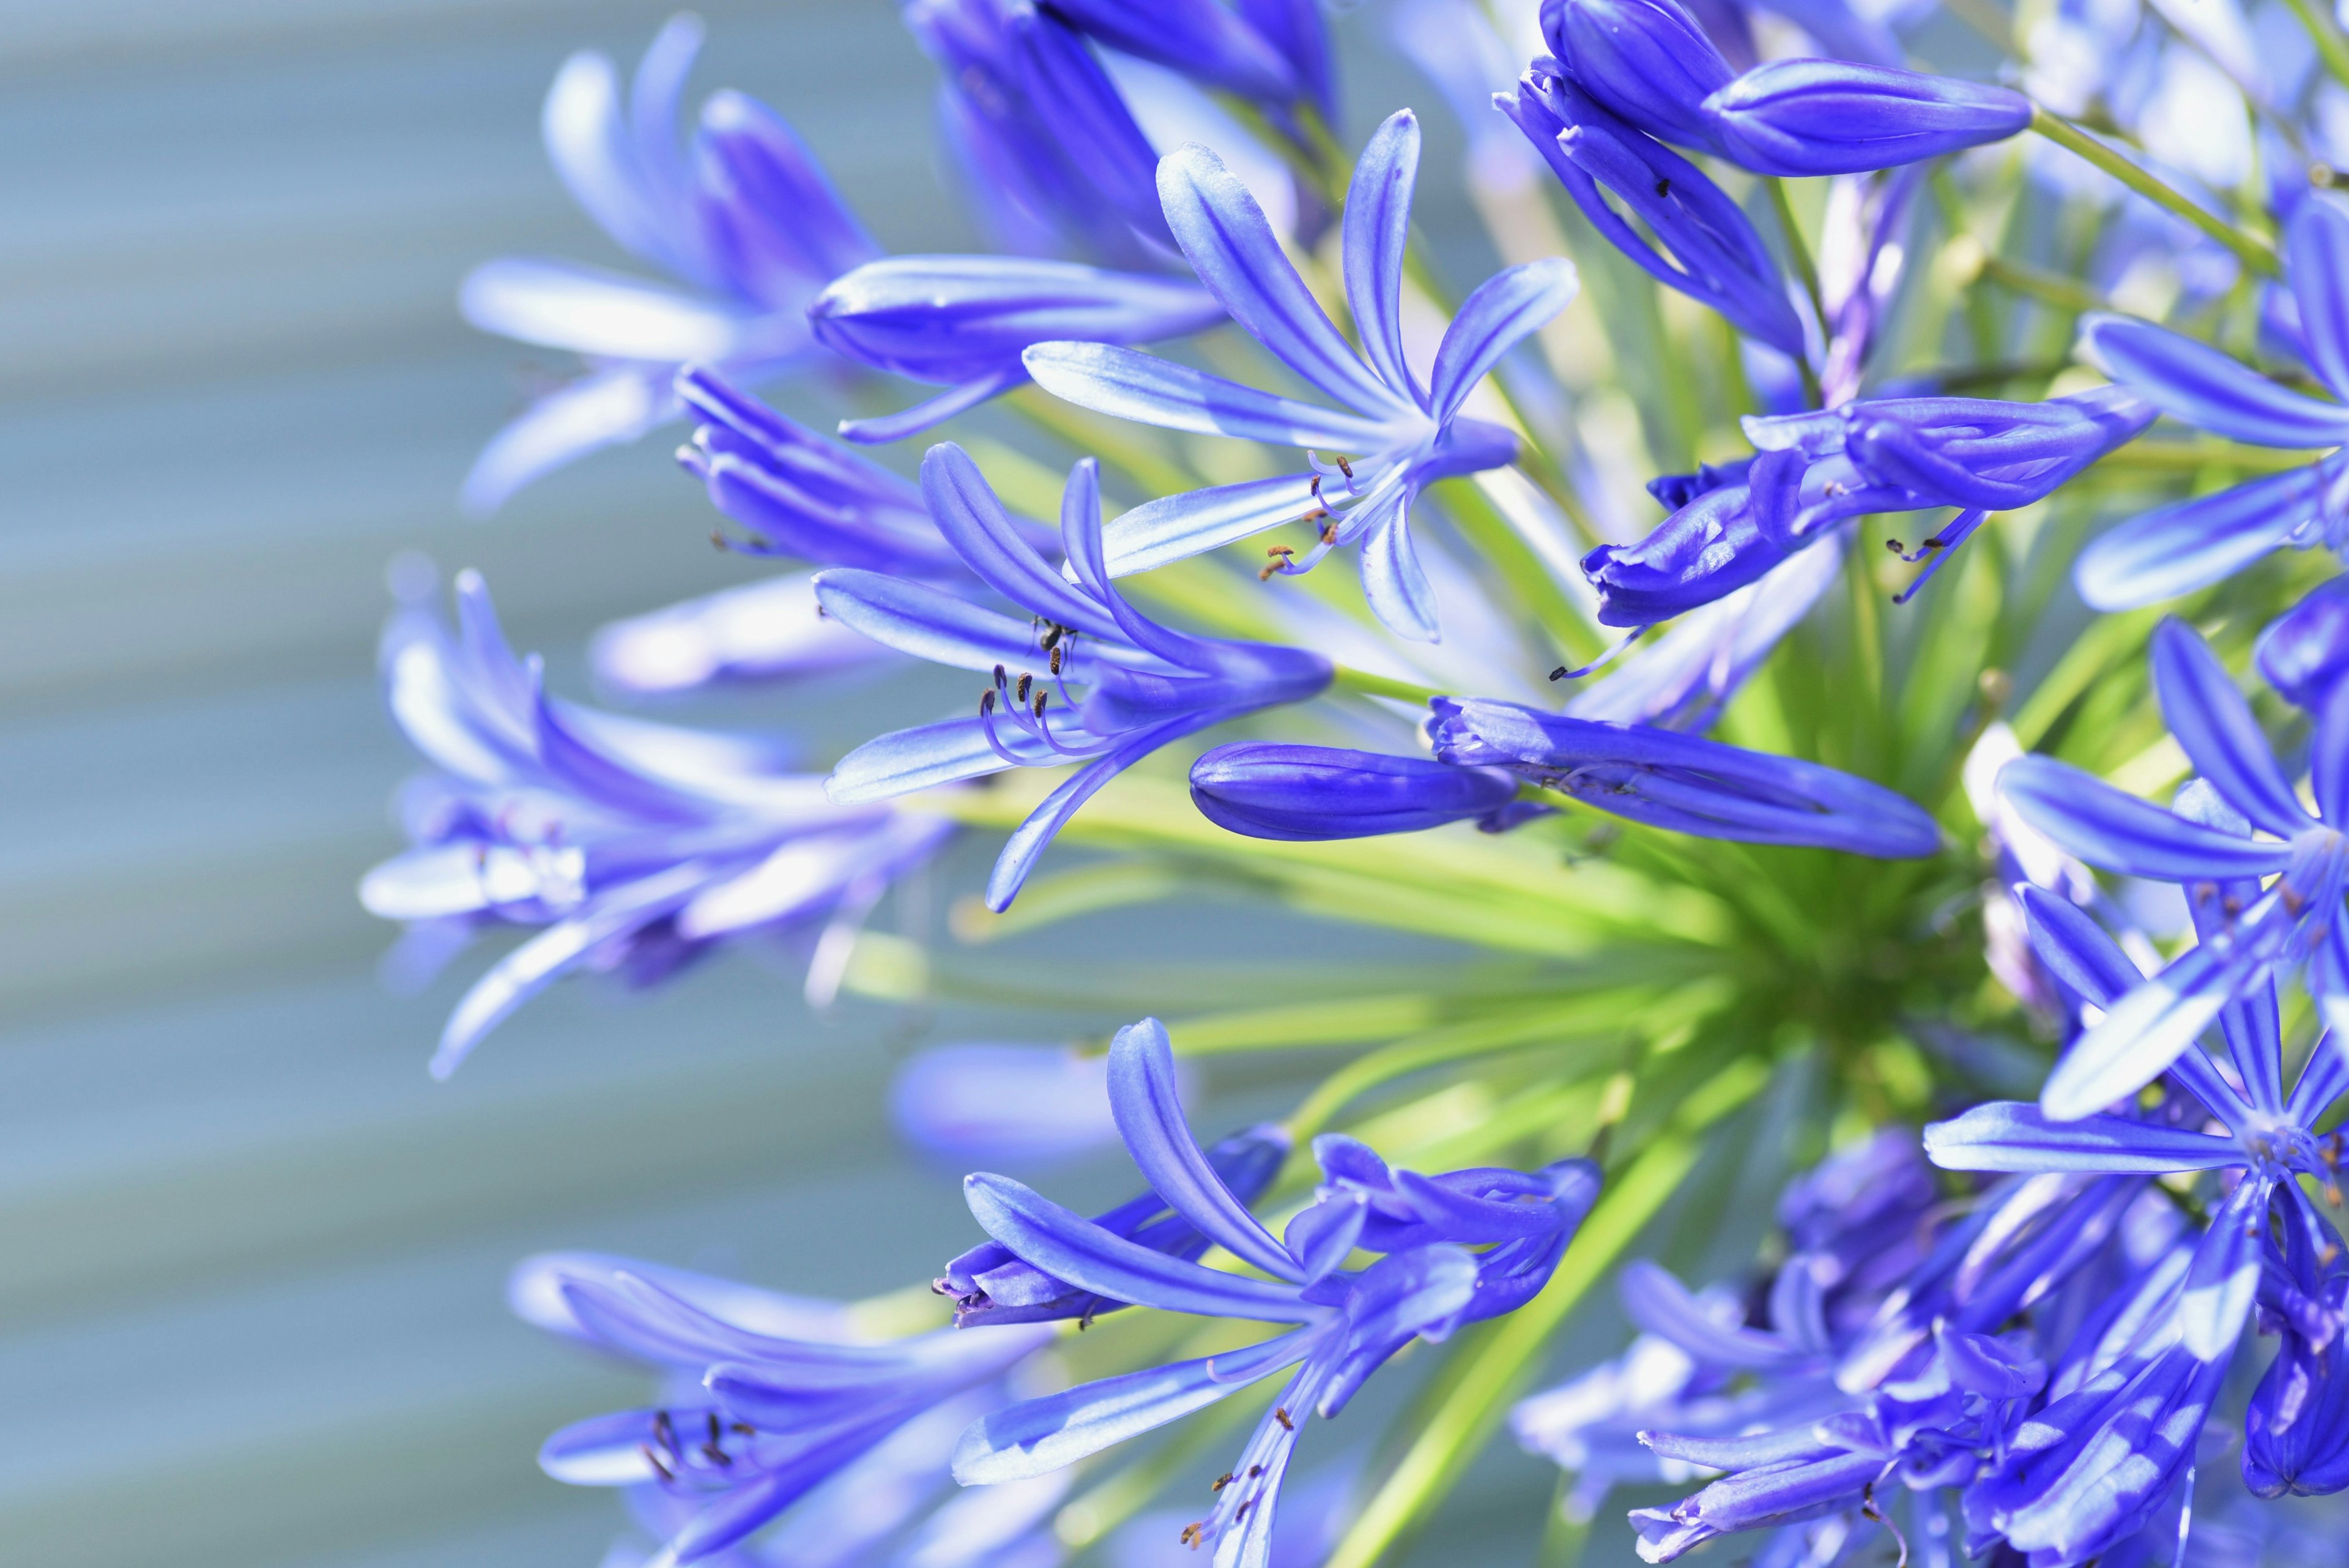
(2316, 258)
(928, 623)
(2108, 827)
(967, 512)
(2144, 1034)
(1151, 389)
(1658, 1304)
(1506, 309)
(565, 304)
(1377, 228)
(2225, 1274)
(1224, 233)
(2204, 388)
(1147, 1102)
(2006, 1136)
(604, 408)
(1031, 837)
(882, 429)
(907, 760)
(1392, 579)
(1069, 1246)
(2175, 549)
(1175, 528)
(2213, 725)
(1039, 1436)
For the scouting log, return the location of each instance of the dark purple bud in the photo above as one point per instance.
(1674, 490)
(989, 1285)
(1835, 117)
(1715, 544)
(1715, 256)
(1647, 61)
(2304, 651)
(1289, 791)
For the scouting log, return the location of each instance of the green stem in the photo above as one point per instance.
(2051, 288)
(2325, 34)
(1783, 204)
(1369, 685)
(2192, 456)
(2254, 252)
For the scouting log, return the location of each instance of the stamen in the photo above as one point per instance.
(1345, 468)
(1280, 1414)
(1054, 667)
(1040, 697)
(1896, 547)
(1664, 187)
(1868, 1507)
(987, 701)
(1191, 1535)
(1223, 1480)
(1001, 680)
(1255, 1471)
(1026, 680)
(1563, 673)
(654, 1459)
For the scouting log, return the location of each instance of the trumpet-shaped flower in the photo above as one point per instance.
(774, 1398)
(634, 846)
(1339, 1326)
(2249, 924)
(1144, 684)
(1652, 63)
(745, 222)
(1816, 472)
(1403, 436)
(2182, 546)
(1683, 782)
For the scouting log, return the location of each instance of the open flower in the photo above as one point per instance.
(1144, 684)
(2175, 548)
(1341, 1325)
(2249, 924)
(634, 846)
(1403, 437)
(746, 222)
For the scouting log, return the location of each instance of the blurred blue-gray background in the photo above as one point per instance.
(251, 1259)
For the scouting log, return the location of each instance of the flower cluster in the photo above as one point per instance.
(2021, 924)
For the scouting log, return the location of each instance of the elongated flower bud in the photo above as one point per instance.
(1647, 61)
(1835, 117)
(1271, 791)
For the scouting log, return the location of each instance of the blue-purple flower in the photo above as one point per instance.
(2304, 652)
(1814, 471)
(1339, 1326)
(1275, 50)
(1652, 63)
(1683, 783)
(1402, 436)
(770, 1400)
(1710, 251)
(633, 845)
(2182, 546)
(2261, 904)
(1144, 684)
(1276, 790)
(744, 221)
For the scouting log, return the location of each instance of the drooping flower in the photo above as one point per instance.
(2182, 546)
(1683, 782)
(2249, 924)
(1405, 437)
(745, 222)
(1710, 251)
(773, 1399)
(1652, 63)
(634, 846)
(1145, 685)
(1340, 1326)
(1271, 790)
(1817, 472)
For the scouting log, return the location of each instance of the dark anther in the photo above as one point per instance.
(1330, 531)
(1560, 673)
(1241, 1512)
(744, 1428)
(1223, 1480)
(1000, 678)
(1255, 1471)
(664, 1430)
(719, 1456)
(714, 1428)
(1896, 547)
(1937, 542)
(1055, 665)
(1025, 680)
(1278, 550)
(1191, 1534)
(716, 540)
(1280, 1414)
(1664, 187)
(1345, 468)
(987, 703)
(654, 1459)
(1039, 709)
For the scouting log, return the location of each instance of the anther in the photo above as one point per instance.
(1345, 468)
(1000, 678)
(744, 1428)
(1330, 531)
(1039, 709)
(987, 703)
(1936, 543)
(1255, 1471)
(1025, 680)
(1191, 1534)
(1223, 1480)
(1280, 1414)
(1896, 547)
(1315, 487)
(654, 1459)
(1054, 666)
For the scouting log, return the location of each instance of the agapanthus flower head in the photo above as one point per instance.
(2273, 902)
(1816, 472)
(1650, 62)
(745, 222)
(1402, 436)
(1143, 685)
(773, 1397)
(2186, 545)
(1709, 249)
(1274, 790)
(634, 846)
(1684, 782)
(1341, 1326)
